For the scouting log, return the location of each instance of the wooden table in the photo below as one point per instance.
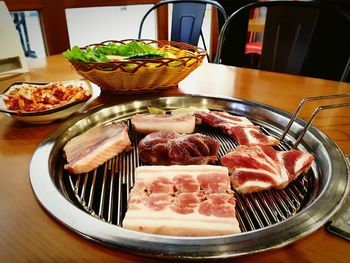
(29, 234)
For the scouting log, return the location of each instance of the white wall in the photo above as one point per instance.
(97, 24)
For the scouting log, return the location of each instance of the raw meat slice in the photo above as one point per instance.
(186, 184)
(240, 128)
(222, 119)
(200, 203)
(169, 148)
(214, 183)
(220, 205)
(251, 136)
(87, 151)
(257, 168)
(148, 123)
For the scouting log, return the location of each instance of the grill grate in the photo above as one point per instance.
(104, 192)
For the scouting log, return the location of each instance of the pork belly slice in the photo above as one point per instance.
(239, 128)
(148, 123)
(87, 151)
(222, 119)
(258, 168)
(182, 200)
(169, 148)
(251, 136)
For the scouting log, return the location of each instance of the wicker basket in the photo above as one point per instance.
(142, 75)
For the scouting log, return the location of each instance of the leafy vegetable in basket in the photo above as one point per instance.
(112, 51)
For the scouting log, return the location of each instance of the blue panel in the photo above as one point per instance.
(187, 22)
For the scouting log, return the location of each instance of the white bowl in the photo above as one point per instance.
(46, 116)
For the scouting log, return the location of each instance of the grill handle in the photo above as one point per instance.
(317, 110)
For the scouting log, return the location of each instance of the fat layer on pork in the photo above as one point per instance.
(87, 151)
(148, 123)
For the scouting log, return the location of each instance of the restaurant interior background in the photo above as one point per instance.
(108, 23)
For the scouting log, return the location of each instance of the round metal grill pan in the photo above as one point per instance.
(95, 203)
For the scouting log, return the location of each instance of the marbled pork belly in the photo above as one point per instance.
(148, 123)
(258, 168)
(239, 128)
(87, 151)
(251, 136)
(182, 200)
(222, 119)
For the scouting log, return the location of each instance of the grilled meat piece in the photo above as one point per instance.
(257, 168)
(182, 200)
(239, 128)
(168, 147)
(87, 151)
(148, 123)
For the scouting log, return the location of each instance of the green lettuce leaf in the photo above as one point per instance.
(131, 50)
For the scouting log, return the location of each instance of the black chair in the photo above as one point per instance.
(187, 19)
(307, 38)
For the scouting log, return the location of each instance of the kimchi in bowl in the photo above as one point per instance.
(45, 102)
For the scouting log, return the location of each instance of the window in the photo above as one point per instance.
(97, 24)
(29, 30)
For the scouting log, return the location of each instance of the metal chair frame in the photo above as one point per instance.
(298, 45)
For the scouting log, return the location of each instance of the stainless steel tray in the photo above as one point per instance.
(93, 204)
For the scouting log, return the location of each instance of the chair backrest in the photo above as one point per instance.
(187, 19)
(300, 37)
(286, 40)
